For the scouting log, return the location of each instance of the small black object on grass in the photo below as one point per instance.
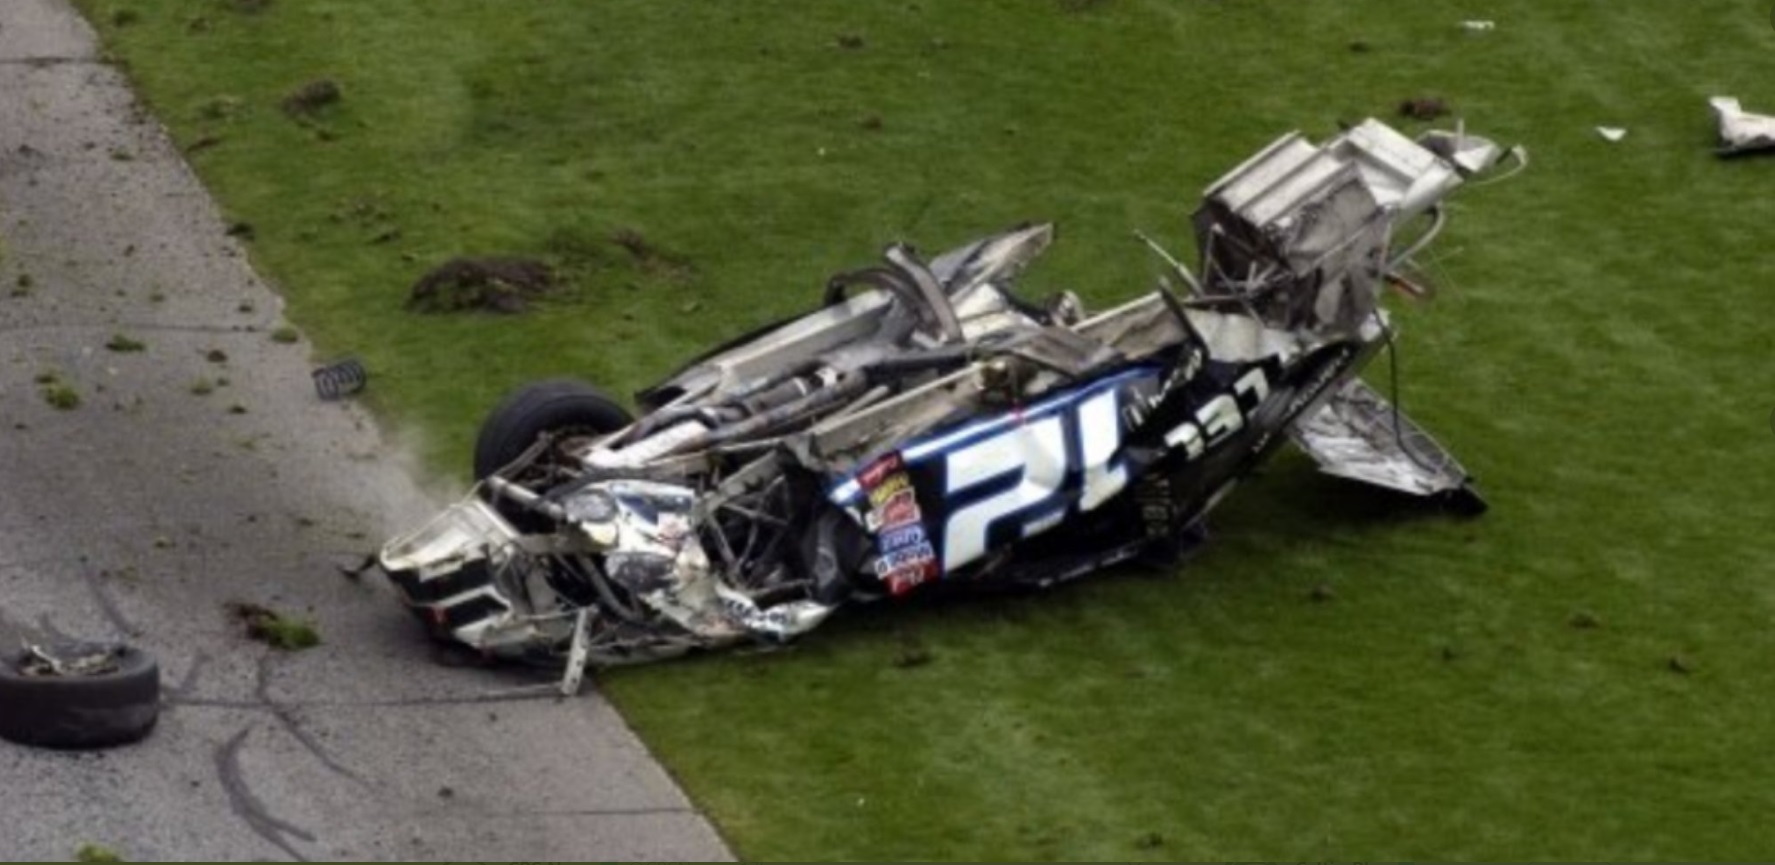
(310, 98)
(911, 652)
(1423, 108)
(339, 380)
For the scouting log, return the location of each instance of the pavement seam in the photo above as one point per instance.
(510, 695)
(38, 62)
(248, 329)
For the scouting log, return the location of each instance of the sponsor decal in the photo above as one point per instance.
(908, 568)
(889, 487)
(894, 540)
(901, 510)
(879, 470)
(905, 557)
(893, 503)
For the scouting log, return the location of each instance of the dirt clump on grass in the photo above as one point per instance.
(503, 285)
(650, 258)
(1423, 108)
(310, 98)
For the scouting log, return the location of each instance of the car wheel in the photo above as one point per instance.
(551, 407)
(79, 695)
(1464, 502)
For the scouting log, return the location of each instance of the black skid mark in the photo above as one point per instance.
(101, 594)
(286, 715)
(248, 806)
(181, 693)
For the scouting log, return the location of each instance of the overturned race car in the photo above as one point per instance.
(927, 425)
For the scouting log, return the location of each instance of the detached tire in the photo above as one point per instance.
(112, 707)
(559, 406)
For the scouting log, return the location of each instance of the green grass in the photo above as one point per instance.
(277, 630)
(59, 394)
(96, 853)
(124, 344)
(1597, 356)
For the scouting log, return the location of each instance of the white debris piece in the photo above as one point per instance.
(1611, 133)
(1740, 130)
(1478, 25)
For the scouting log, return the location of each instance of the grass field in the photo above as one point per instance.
(1583, 673)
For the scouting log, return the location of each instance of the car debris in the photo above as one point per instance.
(929, 427)
(336, 381)
(1741, 131)
(78, 695)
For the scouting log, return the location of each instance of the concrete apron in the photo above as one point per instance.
(148, 508)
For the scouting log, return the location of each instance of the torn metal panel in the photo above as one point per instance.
(1358, 435)
(1741, 131)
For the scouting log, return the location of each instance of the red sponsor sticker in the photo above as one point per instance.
(910, 576)
(878, 471)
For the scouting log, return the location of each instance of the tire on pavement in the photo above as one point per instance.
(116, 704)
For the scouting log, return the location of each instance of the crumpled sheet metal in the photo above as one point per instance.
(1354, 436)
(1740, 130)
(654, 552)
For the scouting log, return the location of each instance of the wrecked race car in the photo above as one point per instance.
(927, 425)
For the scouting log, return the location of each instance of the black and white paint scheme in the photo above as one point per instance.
(928, 428)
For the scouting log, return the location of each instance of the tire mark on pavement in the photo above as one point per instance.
(175, 694)
(101, 595)
(248, 806)
(57, 634)
(285, 715)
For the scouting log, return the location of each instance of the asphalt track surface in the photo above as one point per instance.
(146, 510)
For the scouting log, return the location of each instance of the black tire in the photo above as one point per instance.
(1465, 502)
(544, 407)
(114, 707)
(558, 406)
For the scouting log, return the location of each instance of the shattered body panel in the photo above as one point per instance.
(1741, 131)
(927, 425)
